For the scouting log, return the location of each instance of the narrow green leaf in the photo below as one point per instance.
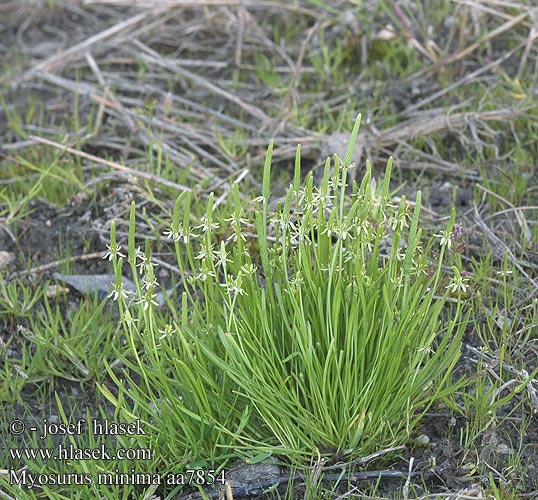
(412, 243)
(267, 172)
(260, 457)
(386, 180)
(297, 173)
(352, 141)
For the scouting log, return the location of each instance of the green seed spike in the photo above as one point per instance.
(187, 211)
(262, 242)
(131, 239)
(386, 180)
(297, 173)
(177, 210)
(131, 257)
(352, 141)
(411, 245)
(184, 310)
(365, 188)
(267, 172)
(113, 234)
(326, 175)
(118, 265)
(261, 224)
(209, 208)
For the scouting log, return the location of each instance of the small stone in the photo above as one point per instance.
(5, 258)
(54, 291)
(503, 449)
(251, 473)
(423, 439)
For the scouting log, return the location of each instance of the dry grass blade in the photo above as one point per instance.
(204, 3)
(165, 3)
(522, 221)
(490, 36)
(500, 248)
(129, 116)
(58, 263)
(428, 126)
(153, 57)
(522, 374)
(59, 60)
(112, 164)
(373, 140)
(292, 94)
(467, 78)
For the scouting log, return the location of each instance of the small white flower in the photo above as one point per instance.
(348, 256)
(234, 236)
(233, 286)
(427, 349)
(145, 264)
(248, 269)
(148, 300)
(113, 252)
(400, 254)
(445, 238)
(128, 318)
(396, 282)
(172, 234)
(140, 255)
(179, 234)
(328, 231)
(375, 202)
(149, 283)
(222, 255)
(297, 280)
(166, 332)
(207, 225)
(118, 291)
(363, 227)
(202, 276)
(322, 198)
(236, 220)
(205, 251)
(302, 233)
(341, 231)
(457, 283)
(399, 220)
(420, 266)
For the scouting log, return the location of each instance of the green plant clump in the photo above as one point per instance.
(320, 327)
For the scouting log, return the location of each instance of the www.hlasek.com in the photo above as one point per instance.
(71, 452)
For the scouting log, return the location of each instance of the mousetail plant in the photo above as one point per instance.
(318, 326)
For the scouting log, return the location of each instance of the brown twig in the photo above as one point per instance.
(57, 263)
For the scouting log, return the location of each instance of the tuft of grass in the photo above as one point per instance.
(319, 328)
